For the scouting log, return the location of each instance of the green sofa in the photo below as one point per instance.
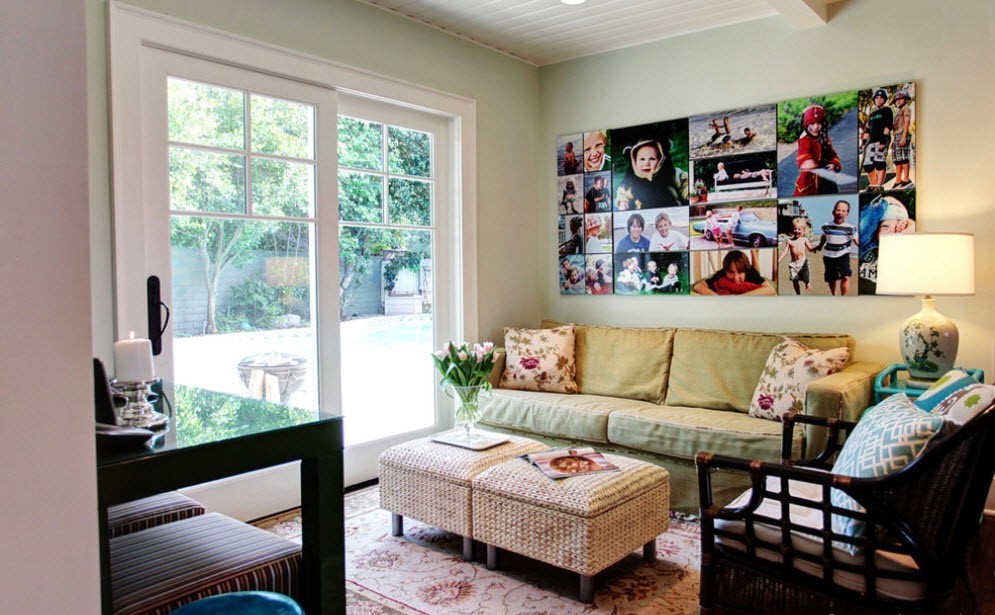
(663, 395)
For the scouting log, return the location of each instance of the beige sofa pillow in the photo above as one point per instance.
(625, 362)
(540, 360)
(719, 370)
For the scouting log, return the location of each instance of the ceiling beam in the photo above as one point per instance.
(803, 14)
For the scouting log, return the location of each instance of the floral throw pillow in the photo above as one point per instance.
(540, 360)
(790, 367)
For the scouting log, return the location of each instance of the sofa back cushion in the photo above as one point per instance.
(622, 362)
(719, 370)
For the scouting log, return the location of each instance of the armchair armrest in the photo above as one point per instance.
(835, 431)
(495, 376)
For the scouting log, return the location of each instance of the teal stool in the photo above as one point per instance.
(242, 603)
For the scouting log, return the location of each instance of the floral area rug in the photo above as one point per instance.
(423, 571)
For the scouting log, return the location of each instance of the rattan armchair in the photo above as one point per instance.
(772, 550)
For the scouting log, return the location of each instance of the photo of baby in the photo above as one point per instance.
(568, 194)
(887, 137)
(817, 145)
(734, 272)
(738, 131)
(817, 249)
(650, 165)
(599, 274)
(572, 275)
(568, 154)
(890, 212)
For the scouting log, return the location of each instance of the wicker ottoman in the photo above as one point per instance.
(582, 523)
(430, 482)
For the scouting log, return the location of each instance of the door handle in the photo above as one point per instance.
(155, 306)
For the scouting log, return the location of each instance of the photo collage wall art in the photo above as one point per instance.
(783, 199)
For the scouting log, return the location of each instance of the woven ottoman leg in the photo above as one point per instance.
(492, 557)
(396, 524)
(467, 549)
(586, 588)
(649, 551)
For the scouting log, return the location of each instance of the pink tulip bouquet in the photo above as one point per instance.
(464, 366)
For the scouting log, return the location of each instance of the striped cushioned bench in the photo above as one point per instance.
(150, 512)
(159, 569)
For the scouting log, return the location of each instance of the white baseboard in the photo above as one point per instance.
(253, 495)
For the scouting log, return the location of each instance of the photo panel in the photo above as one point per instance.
(568, 154)
(817, 145)
(881, 213)
(572, 275)
(817, 248)
(667, 273)
(728, 225)
(734, 178)
(570, 232)
(630, 231)
(599, 274)
(668, 229)
(650, 165)
(733, 132)
(597, 233)
(598, 192)
(569, 193)
(887, 119)
(734, 272)
(629, 269)
(597, 151)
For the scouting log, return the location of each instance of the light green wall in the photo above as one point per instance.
(505, 91)
(946, 46)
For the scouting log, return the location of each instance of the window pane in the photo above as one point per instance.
(206, 181)
(248, 330)
(360, 144)
(410, 152)
(282, 188)
(204, 114)
(410, 201)
(360, 197)
(282, 128)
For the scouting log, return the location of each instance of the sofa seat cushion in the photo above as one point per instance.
(682, 432)
(570, 417)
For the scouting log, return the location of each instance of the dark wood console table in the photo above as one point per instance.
(215, 435)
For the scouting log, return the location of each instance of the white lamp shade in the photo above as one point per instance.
(926, 264)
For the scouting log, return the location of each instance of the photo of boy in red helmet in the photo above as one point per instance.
(817, 145)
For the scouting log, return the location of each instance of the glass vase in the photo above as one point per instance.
(467, 407)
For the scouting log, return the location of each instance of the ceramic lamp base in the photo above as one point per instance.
(929, 343)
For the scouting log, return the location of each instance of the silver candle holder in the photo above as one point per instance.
(138, 412)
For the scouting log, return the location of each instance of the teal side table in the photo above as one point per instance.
(888, 382)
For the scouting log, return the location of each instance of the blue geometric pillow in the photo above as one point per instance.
(950, 382)
(887, 438)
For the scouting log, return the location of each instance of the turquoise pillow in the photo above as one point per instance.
(887, 438)
(950, 382)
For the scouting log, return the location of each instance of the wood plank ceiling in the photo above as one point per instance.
(547, 31)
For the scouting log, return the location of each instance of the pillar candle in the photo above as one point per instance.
(133, 360)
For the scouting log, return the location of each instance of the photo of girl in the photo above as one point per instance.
(568, 190)
(571, 235)
(597, 191)
(629, 233)
(666, 274)
(648, 165)
(568, 154)
(735, 178)
(596, 156)
(734, 272)
(599, 274)
(738, 131)
(892, 212)
(572, 275)
(887, 135)
(597, 233)
(817, 145)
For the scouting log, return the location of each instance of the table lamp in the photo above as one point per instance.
(927, 264)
